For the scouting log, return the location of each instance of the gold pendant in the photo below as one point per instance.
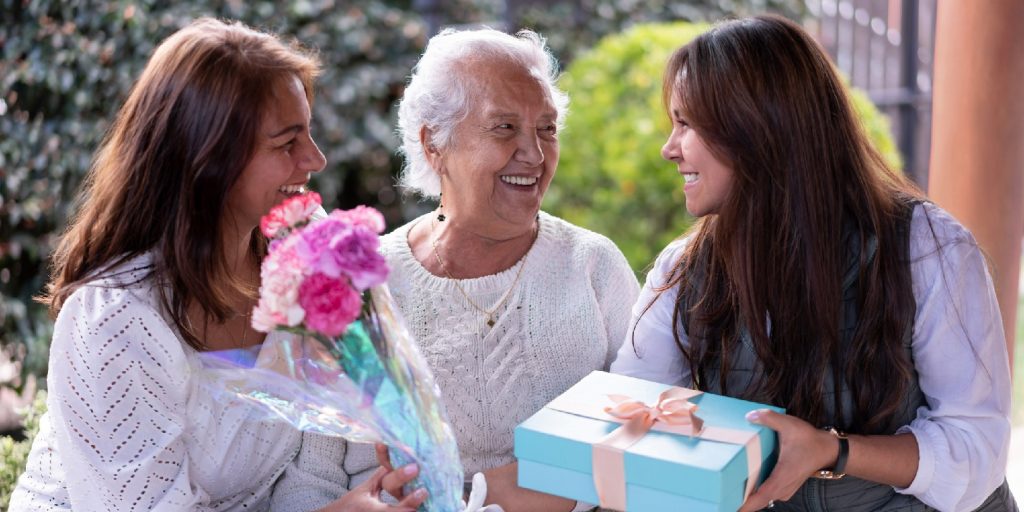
(490, 322)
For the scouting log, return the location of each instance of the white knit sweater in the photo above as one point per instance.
(567, 316)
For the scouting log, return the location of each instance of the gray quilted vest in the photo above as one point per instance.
(848, 494)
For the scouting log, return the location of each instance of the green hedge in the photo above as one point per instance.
(611, 177)
(14, 454)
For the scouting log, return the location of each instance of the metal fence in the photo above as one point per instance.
(886, 48)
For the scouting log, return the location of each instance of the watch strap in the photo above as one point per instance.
(837, 471)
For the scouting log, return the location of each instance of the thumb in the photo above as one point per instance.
(767, 418)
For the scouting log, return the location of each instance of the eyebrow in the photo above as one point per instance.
(509, 115)
(293, 128)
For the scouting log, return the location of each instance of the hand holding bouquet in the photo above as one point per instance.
(348, 366)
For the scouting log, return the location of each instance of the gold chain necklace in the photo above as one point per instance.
(490, 314)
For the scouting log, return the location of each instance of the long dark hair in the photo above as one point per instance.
(159, 180)
(764, 96)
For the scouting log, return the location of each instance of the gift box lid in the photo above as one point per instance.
(678, 464)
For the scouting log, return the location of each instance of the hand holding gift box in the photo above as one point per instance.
(635, 445)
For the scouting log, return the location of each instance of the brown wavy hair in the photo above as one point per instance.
(161, 176)
(765, 98)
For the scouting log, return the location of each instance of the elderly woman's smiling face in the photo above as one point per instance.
(504, 154)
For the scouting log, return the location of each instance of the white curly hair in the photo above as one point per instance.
(438, 94)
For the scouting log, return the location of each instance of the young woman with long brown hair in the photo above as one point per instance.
(819, 280)
(162, 262)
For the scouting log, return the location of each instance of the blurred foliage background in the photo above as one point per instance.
(14, 453)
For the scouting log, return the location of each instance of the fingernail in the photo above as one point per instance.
(754, 416)
(420, 493)
(409, 469)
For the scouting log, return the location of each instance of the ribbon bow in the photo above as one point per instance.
(673, 408)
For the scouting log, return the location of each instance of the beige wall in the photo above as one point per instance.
(977, 159)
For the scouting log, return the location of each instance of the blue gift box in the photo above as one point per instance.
(663, 471)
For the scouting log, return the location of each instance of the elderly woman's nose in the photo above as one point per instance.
(530, 151)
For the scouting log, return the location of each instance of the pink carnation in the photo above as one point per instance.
(330, 304)
(361, 216)
(272, 223)
(337, 249)
(280, 277)
(290, 213)
(315, 239)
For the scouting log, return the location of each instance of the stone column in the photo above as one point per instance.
(977, 156)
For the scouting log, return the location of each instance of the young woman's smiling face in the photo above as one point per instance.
(708, 180)
(285, 158)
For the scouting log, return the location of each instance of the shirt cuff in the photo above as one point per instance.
(925, 461)
(582, 507)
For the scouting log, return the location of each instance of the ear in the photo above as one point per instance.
(431, 151)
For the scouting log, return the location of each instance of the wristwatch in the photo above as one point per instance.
(837, 471)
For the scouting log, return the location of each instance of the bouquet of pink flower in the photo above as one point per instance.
(316, 271)
(338, 359)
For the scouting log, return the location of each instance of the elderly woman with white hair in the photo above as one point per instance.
(511, 306)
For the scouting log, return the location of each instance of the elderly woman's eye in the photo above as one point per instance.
(506, 126)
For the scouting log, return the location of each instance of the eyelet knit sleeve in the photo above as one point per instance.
(118, 388)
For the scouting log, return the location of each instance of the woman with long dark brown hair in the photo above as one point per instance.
(161, 262)
(819, 280)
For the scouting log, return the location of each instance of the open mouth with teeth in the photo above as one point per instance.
(521, 181)
(691, 177)
(292, 190)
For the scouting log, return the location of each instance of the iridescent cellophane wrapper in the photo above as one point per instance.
(369, 384)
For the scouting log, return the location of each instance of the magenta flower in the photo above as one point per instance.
(354, 252)
(330, 304)
(361, 216)
(313, 241)
(336, 248)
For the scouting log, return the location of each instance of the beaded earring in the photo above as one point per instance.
(440, 206)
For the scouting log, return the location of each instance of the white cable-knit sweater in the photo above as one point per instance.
(130, 427)
(567, 316)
